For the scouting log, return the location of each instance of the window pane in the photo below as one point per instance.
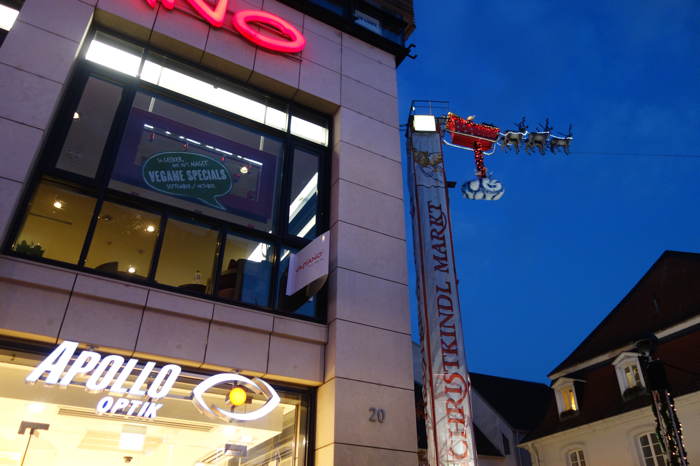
(123, 241)
(88, 132)
(187, 256)
(56, 223)
(175, 155)
(246, 272)
(299, 303)
(304, 195)
(308, 130)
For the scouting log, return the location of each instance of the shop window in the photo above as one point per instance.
(576, 458)
(89, 128)
(68, 429)
(55, 225)
(123, 241)
(651, 450)
(304, 198)
(565, 394)
(246, 271)
(179, 178)
(9, 10)
(187, 256)
(629, 375)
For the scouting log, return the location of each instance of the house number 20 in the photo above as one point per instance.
(376, 415)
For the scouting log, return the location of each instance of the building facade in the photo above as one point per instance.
(163, 162)
(600, 411)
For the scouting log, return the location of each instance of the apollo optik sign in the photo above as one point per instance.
(141, 396)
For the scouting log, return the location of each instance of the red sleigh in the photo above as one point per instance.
(466, 134)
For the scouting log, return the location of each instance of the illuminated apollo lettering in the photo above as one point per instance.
(137, 392)
(291, 40)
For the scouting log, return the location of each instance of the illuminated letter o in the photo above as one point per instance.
(293, 43)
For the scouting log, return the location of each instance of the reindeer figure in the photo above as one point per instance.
(539, 138)
(557, 142)
(514, 138)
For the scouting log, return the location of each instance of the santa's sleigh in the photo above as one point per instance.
(463, 133)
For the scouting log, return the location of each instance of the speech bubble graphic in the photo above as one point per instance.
(186, 174)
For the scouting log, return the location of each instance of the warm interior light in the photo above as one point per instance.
(58, 204)
(76, 116)
(131, 269)
(244, 169)
(7, 17)
(132, 437)
(424, 123)
(150, 228)
(36, 408)
(237, 396)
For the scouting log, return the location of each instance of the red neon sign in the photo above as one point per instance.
(293, 41)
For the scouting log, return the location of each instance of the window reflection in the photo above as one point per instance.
(187, 256)
(123, 241)
(89, 128)
(55, 224)
(304, 196)
(246, 271)
(298, 303)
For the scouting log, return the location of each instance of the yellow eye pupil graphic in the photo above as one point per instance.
(237, 396)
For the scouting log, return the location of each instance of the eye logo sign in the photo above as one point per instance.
(257, 385)
(292, 40)
(112, 373)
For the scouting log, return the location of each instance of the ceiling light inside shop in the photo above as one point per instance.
(131, 269)
(58, 204)
(276, 118)
(76, 116)
(132, 437)
(7, 17)
(150, 228)
(36, 408)
(113, 57)
(309, 131)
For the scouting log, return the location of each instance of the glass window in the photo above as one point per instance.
(311, 131)
(123, 241)
(576, 458)
(632, 376)
(55, 224)
(187, 256)
(176, 155)
(304, 195)
(246, 271)
(299, 303)
(569, 398)
(115, 54)
(652, 452)
(180, 435)
(82, 150)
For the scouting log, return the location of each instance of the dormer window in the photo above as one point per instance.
(629, 374)
(565, 393)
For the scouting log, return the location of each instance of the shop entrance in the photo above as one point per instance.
(51, 426)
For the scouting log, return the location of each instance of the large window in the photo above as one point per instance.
(576, 458)
(161, 173)
(43, 426)
(652, 453)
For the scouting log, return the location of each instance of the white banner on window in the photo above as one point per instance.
(446, 387)
(309, 266)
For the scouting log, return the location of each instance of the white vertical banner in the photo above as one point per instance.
(446, 387)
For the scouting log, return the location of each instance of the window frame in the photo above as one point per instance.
(580, 457)
(640, 449)
(97, 187)
(622, 362)
(560, 386)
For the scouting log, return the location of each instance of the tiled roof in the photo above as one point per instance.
(669, 293)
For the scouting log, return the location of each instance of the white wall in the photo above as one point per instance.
(613, 441)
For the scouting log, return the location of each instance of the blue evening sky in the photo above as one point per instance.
(540, 268)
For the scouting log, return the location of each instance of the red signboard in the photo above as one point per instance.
(291, 40)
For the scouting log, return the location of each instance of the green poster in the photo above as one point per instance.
(188, 175)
